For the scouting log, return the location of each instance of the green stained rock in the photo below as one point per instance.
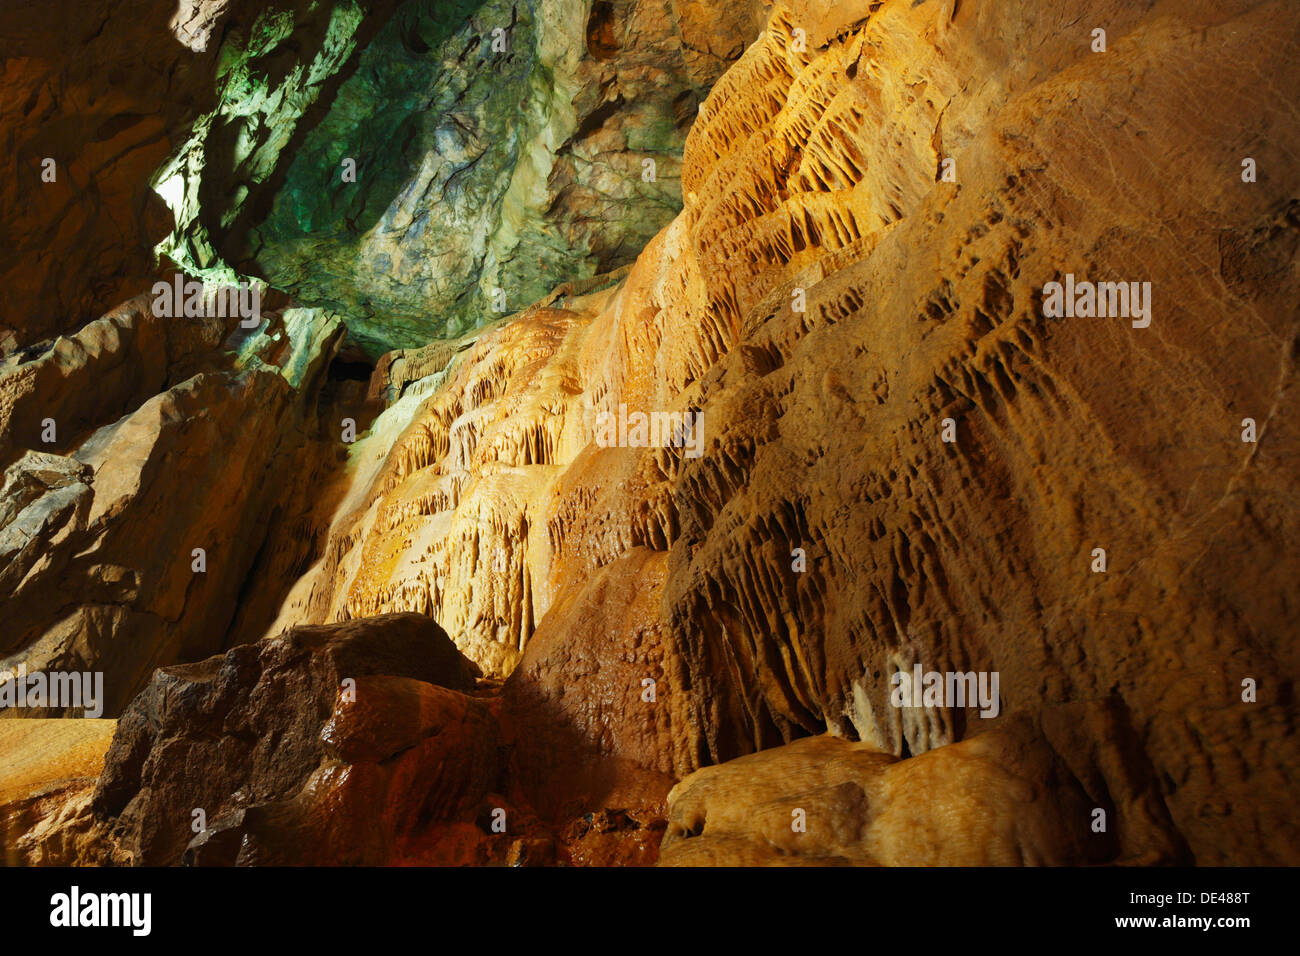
(267, 77)
(432, 118)
(477, 168)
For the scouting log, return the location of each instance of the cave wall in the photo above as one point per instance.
(98, 571)
(821, 170)
(135, 537)
(714, 636)
(428, 168)
(211, 132)
(105, 90)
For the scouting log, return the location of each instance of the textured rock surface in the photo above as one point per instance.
(285, 767)
(359, 743)
(277, 69)
(291, 771)
(129, 355)
(48, 772)
(494, 145)
(1012, 796)
(820, 171)
(164, 443)
(830, 304)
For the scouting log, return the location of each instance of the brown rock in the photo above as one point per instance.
(104, 578)
(285, 767)
(817, 173)
(1006, 797)
(99, 373)
(48, 770)
(538, 851)
(831, 305)
(106, 91)
(99, 559)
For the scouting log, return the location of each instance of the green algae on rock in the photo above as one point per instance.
(263, 92)
(423, 171)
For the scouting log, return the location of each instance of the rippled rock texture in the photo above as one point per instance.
(900, 456)
(815, 178)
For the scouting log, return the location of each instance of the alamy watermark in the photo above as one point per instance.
(56, 690)
(651, 430)
(946, 689)
(1086, 300)
(194, 299)
(77, 909)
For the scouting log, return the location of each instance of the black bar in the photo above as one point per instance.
(878, 907)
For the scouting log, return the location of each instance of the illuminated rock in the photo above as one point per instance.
(908, 466)
(284, 746)
(834, 307)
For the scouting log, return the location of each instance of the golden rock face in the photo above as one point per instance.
(818, 174)
(903, 462)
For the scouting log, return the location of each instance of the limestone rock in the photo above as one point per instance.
(48, 770)
(425, 167)
(594, 707)
(898, 458)
(286, 767)
(830, 303)
(1004, 797)
(168, 443)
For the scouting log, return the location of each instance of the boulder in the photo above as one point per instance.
(323, 745)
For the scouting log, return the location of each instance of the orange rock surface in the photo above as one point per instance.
(47, 775)
(817, 173)
(903, 461)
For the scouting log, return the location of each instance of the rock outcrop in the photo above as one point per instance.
(323, 745)
(1012, 796)
(694, 520)
(362, 743)
(129, 544)
(128, 354)
(425, 167)
(47, 779)
(831, 303)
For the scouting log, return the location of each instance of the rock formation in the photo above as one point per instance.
(441, 161)
(189, 473)
(102, 91)
(295, 737)
(695, 519)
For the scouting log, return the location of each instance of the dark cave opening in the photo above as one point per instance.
(350, 367)
(601, 42)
